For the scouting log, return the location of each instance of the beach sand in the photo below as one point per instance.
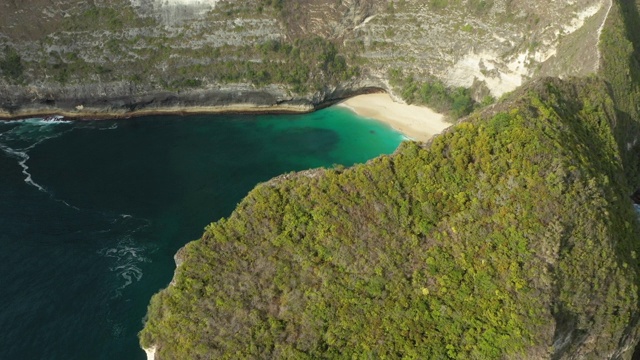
(416, 122)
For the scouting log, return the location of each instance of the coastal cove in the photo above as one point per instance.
(191, 179)
(416, 122)
(94, 211)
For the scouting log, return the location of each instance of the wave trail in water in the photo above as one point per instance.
(127, 255)
(24, 135)
(112, 127)
(22, 158)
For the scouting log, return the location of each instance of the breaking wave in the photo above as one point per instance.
(49, 120)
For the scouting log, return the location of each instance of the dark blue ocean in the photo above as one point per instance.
(92, 212)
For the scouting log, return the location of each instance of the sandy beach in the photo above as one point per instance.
(416, 122)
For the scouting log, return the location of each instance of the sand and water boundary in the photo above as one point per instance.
(416, 122)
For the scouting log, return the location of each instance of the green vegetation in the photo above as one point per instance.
(620, 51)
(508, 232)
(498, 238)
(64, 66)
(455, 102)
(468, 248)
(11, 66)
(480, 7)
(114, 17)
(305, 64)
(278, 5)
(438, 4)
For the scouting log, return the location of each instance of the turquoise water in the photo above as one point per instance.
(91, 213)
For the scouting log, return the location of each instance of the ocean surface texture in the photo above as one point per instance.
(92, 212)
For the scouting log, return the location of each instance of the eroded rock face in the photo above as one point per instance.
(500, 43)
(174, 12)
(160, 45)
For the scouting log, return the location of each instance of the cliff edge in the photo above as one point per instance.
(510, 236)
(120, 57)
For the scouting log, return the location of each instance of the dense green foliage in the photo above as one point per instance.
(455, 102)
(511, 234)
(472, 247)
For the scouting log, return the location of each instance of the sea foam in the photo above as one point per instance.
(127, 255)
(26, 134)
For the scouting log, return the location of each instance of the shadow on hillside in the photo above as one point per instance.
(629, 129)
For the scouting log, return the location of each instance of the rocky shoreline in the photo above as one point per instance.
(122, 100)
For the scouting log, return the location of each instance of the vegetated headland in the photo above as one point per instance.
(510, 235)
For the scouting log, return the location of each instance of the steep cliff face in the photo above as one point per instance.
(145, 47)
(512, 235)
(500, 44)
(509, 236)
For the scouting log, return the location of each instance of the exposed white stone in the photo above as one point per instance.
(577, 22)
(503, 74)
(151, 353)
(544, 55)
(364, 22)
(171, 12)
(481, 67)
(212, 3)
